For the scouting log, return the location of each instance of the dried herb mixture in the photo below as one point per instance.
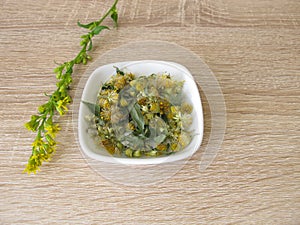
(145, 116)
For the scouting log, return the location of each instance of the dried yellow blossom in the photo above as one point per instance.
(109, 146)
(105, 114)
(103, 102)
(184, 139)
(120, 82)
(174, 146)
(162, 147)
(186, 108)
(139, 86)
(154, 107)
(131, 126)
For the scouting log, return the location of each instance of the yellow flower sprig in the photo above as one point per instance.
(42, 123)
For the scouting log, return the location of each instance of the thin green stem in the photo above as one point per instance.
(108, 12)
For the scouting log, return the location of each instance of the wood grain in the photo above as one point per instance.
(253, 49)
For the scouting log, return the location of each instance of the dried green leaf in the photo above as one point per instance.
(95, 109)
(137, 116)
(119, 71)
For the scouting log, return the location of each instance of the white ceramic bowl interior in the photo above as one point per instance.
(139, 68)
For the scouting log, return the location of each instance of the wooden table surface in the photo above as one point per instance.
(252, 47)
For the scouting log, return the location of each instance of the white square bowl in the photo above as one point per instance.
(139, 68)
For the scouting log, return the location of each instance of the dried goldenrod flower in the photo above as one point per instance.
(105, 114)
(113, 97)
(129, 77)
(143, 101)
(184, 139)
(137, 154)
(109, 146)
(131, 126)
(174, 109)
(186, 108)
(139, 86)
(120, 82)
(154, 107)
(103, 102)
(162, 147)
(174, 146)
(128, 152)
(164, 106)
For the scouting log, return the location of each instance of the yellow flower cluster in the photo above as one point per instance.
(61, 105)
(42, 148)
(41, 151)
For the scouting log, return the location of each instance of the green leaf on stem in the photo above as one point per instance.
(86, 26)
(114, 15)
(98, 29)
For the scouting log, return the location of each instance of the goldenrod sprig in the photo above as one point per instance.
(42, 123)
